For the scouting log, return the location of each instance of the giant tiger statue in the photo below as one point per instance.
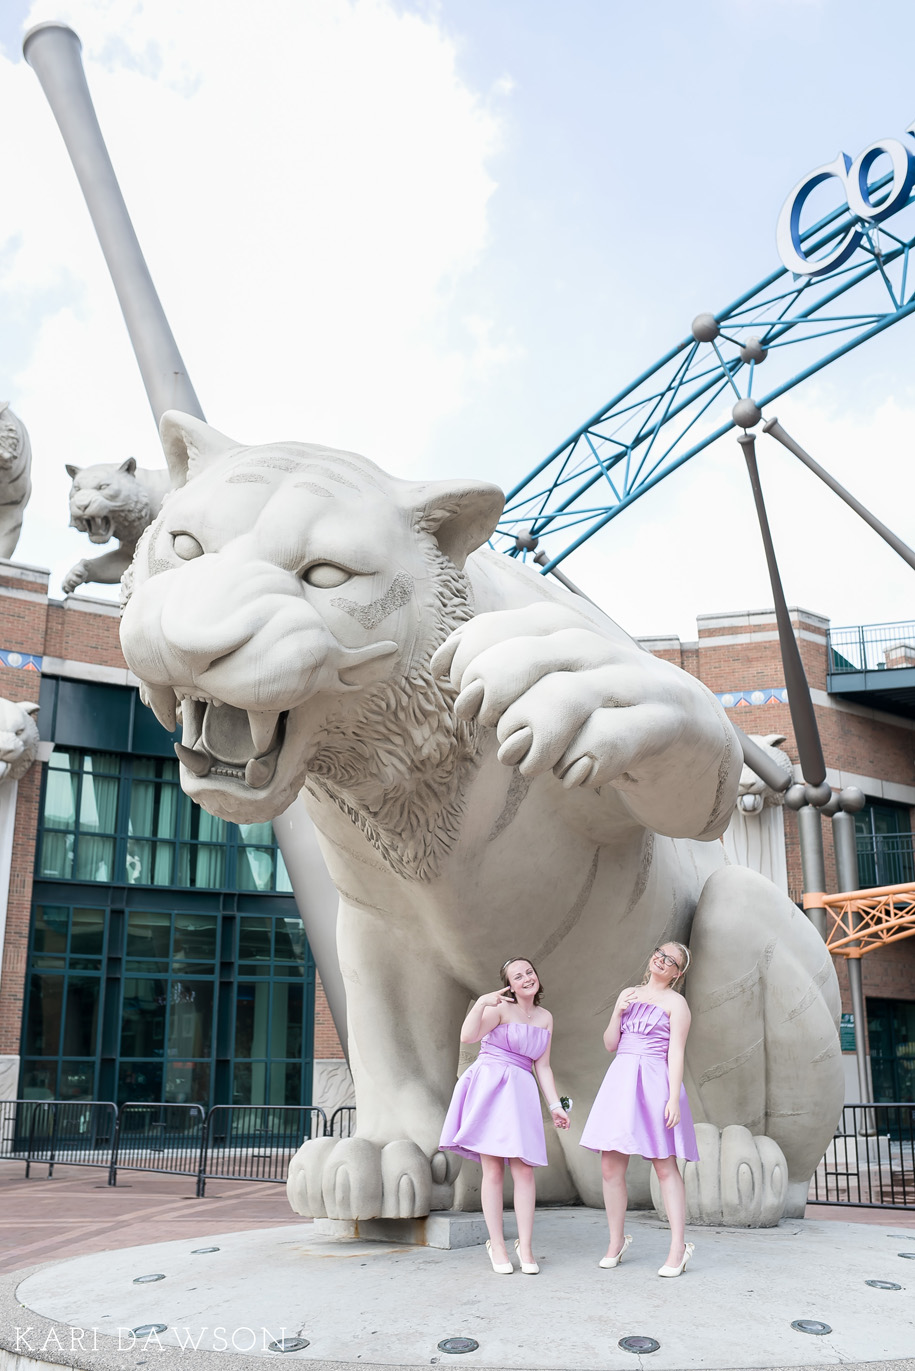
(493, 768)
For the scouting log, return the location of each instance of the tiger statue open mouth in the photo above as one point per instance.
(257, 625)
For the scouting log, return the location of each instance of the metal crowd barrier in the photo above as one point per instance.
(158, 1137)
(69, 1132)
(229, 1142)
(252, 1142)
(342, 1122)
(870, 1162)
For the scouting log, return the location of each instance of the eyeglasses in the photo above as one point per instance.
(668, 961)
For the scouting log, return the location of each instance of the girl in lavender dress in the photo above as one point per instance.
(494, 1116)
(641, 1106)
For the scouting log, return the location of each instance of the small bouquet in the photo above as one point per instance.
(565, 1102)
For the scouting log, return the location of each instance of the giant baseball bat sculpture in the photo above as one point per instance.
(54, 53)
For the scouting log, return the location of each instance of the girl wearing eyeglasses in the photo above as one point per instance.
(641, 1106)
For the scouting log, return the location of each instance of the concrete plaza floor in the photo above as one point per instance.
(375, 1304)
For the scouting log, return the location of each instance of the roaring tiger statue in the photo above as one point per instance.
(18, 738)
(15, 477)
(493, 767)
(108, 501)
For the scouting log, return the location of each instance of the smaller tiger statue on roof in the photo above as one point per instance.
(110, 501)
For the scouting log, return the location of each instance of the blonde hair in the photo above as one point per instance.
(677, 982)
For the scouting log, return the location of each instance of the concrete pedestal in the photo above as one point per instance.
(222, 1299)
(447, 1229)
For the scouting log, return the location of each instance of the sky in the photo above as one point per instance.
(443, 234)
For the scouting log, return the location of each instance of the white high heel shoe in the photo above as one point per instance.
(527, 1268)
(500, 1268)
(608, 1262)
(678, 1270)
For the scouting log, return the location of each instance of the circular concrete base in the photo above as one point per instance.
(373, 1304)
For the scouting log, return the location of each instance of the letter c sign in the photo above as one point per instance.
(853, 176)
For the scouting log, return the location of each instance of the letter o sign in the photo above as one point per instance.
(853, 176)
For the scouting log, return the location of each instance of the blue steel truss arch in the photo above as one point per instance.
(682, 404)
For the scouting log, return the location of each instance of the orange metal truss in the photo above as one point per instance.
(861, 921)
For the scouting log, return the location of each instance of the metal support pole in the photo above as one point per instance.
(53, 52)
(761, 763)
(812, 863)
(803, 719)
(856, 987)
(317, 902)
(774, 428)
(543, 560)
(846, 845)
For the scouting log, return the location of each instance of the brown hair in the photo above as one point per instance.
(677, 982)
(508, 963)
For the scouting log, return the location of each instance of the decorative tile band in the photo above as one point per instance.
(737, 699)
(23, 661)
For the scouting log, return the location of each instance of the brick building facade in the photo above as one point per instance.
(737, 656)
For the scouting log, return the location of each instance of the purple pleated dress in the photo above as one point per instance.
(495, 1108)
(628, 1113)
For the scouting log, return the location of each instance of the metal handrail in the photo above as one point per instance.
(862, 647)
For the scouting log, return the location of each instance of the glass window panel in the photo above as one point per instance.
(190, 1021)
(57, 855)
(153, 809)
(50, 930)
(254, 939)
(254, 868)
(295, 1009)
(187, 1083)
(139, 1082)
(77, 1082)
(292, 1080)
(98, 801)
(62, 759)
(195, 938)
(252, 1019)
(154, 769)
(49, 963)
(149, 863)
(283, 883)
(95, 859)
(256, 833)
(100, 763)
(143, 1017)
(148, 934)
(202, 868)
(81, 1024)
(87, 932)
(241, 1083)
(287, 1003)
(888, 819)
(45, 1011)
(60, 799)
(290, 943)
(200, 826)
(39, 1080)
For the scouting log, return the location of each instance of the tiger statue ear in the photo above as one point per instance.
(190, 445)
(460, 515)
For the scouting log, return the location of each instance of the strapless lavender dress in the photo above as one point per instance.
(495, 1108)
(628, 1113)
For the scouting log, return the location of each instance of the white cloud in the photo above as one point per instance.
(308, 183)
